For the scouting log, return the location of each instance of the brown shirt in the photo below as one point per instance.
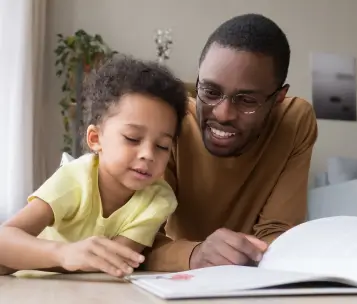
(262, 192)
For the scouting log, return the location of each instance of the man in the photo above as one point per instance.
(240, 168)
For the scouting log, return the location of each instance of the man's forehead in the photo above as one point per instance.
(231, 68)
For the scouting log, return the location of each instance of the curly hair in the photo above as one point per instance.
(254, 33)
(123, 74)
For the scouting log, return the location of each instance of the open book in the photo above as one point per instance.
(316, 257)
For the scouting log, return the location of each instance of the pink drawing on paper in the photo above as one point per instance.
(181, 277)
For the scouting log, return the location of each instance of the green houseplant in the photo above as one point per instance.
(78, 52)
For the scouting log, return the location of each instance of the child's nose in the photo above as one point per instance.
(147, 152)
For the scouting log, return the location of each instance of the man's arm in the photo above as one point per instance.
(166, 254)
(169, 255)
(287, 205)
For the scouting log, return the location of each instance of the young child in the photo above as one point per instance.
(98, 212)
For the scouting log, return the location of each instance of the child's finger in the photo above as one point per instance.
(112, 258)
(132, 264)
(123, 251)
(101, 264)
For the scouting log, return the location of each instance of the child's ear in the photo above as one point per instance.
(93, 139)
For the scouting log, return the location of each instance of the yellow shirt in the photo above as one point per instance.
(73, 194)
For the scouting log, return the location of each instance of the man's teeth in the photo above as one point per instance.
(221, 134)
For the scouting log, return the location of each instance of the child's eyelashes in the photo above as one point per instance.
(134, 140)
(137, 141)
(163, 148)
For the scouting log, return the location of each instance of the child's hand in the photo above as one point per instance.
(99, 253)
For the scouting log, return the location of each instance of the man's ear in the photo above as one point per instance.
(93, 139)
(282, 93)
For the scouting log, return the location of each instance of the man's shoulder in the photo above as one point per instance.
(295, 108)
(295, 119)
(191, 114)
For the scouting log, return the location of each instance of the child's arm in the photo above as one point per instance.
(21, 249)
(140, 233)
(132, 245)
(129, 243)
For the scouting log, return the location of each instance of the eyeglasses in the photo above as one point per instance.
(244, 103)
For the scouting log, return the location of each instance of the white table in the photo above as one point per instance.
(100, 288)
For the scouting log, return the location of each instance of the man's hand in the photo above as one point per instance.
(226, 247)
(99, 254)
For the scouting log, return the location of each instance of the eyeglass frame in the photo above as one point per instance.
(231, 98)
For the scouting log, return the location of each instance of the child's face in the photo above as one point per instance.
(135, 140)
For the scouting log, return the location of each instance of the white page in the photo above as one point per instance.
(220, 279)
(323, 246)
(318, 250)
(182, 294)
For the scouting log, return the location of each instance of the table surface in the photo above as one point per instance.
(100, 288)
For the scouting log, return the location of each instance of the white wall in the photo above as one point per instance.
(129, 26)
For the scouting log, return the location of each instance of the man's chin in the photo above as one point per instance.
(219, 152)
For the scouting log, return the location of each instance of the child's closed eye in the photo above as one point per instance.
(130, 139)
(136, 141)
(163, 148)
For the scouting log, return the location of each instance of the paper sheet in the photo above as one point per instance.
(324, 246)
(323, 250)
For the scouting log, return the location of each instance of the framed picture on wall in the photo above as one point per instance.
(334, 86)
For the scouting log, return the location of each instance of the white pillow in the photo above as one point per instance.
(341, 169)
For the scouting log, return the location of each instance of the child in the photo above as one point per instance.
(98, 212)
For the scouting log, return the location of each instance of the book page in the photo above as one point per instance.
(326, 246)
(321, 252)
(221, 279)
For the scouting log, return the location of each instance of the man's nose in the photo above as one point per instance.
(225, 111)
(147, 152)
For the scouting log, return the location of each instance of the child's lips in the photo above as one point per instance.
(141, 173)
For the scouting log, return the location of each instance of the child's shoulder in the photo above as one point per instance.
(79, 167)
(159, 187)
(83, 160)
(159, 194)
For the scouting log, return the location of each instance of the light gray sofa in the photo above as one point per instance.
(336, 190)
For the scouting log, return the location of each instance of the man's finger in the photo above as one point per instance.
(207, 263)
(258, 243)
(226, 254)
(241, 244)
(249, 249)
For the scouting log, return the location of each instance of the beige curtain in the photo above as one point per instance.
(22, 35)
(38, 49)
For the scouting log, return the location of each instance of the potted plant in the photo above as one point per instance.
(80, 51)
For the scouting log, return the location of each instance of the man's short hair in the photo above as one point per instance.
(254, 33)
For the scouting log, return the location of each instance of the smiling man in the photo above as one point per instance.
(240, 167)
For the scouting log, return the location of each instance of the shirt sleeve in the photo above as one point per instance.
(145, 226)
(287, 204)
(62, 192)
